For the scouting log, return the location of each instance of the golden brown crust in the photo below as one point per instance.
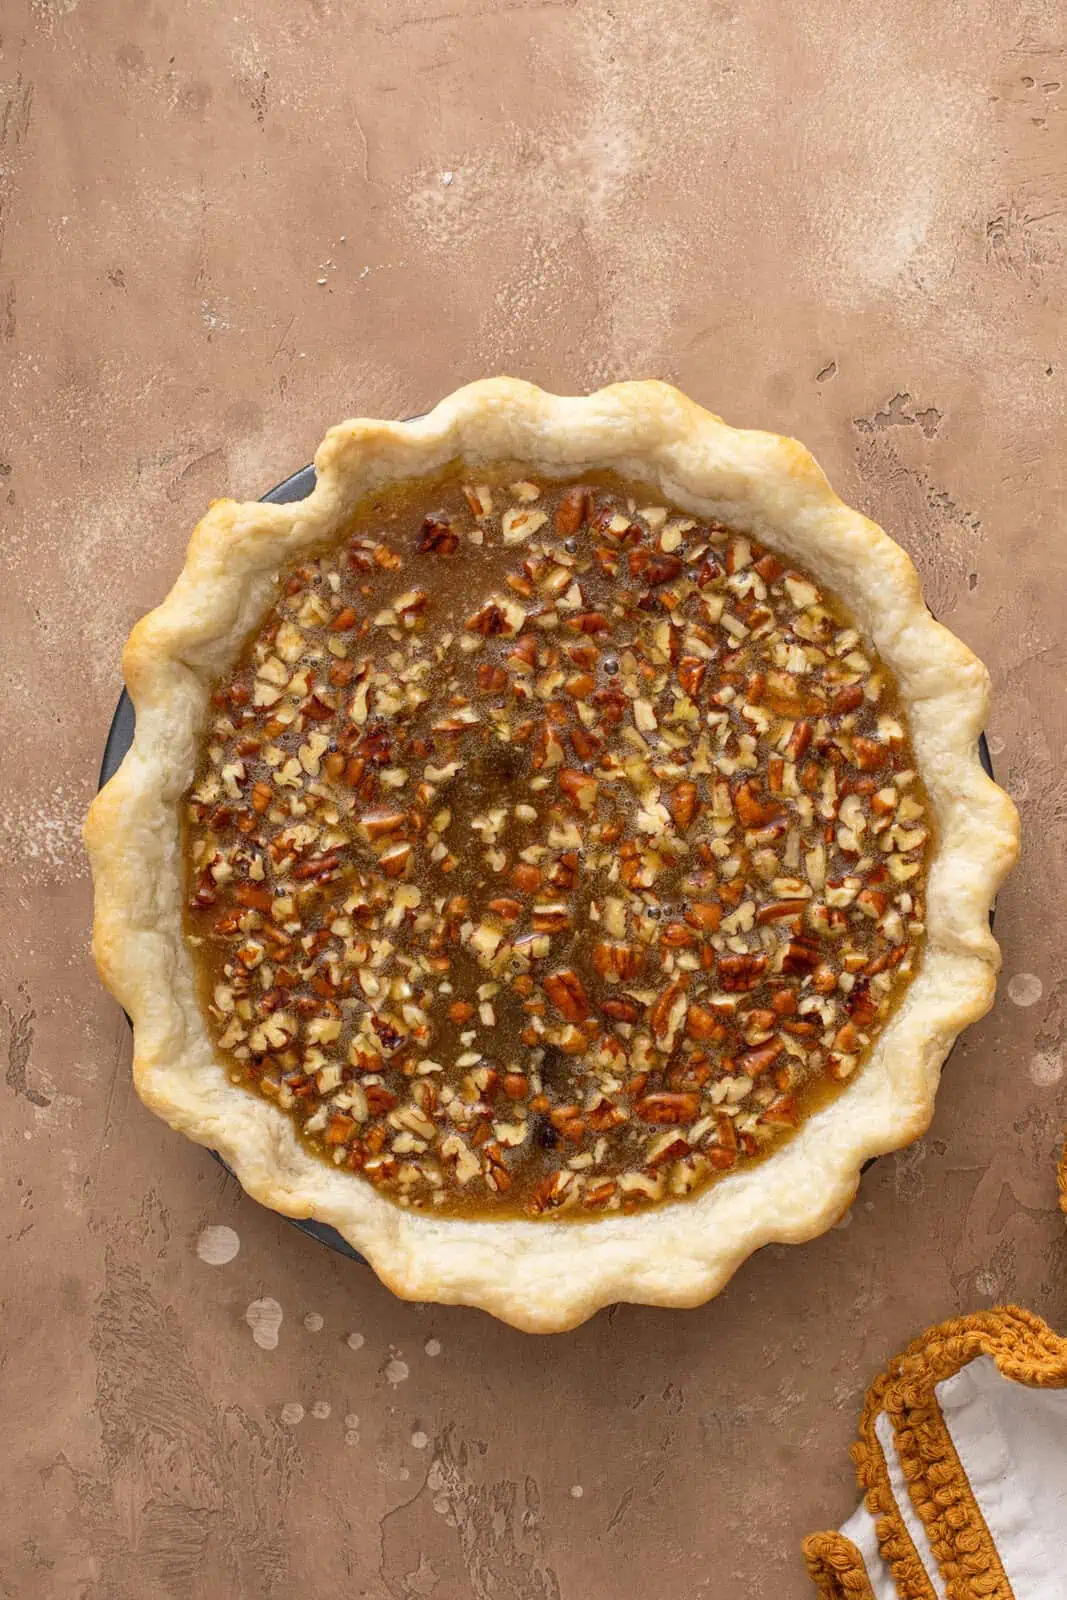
(546, 1276)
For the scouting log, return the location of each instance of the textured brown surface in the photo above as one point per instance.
(856, 234)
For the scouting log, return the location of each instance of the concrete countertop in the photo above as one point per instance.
(225, 227)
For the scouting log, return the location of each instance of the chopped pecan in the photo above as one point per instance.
(668, 1107)
(753, 1062)
(567, 993)
(572, 510)
(615, 960)
(438, 536)
(682, 803)
(691, 672)
(741, 972)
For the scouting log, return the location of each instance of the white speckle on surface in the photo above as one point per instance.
(320, 281)
(351, 1436)
(320, 1409)
(446, 178)
(292, 1413)
(43, 837)
(995, 743)
(395, 1370)
(313, 1322)
(351, 1420)
(1025, 989)
(355, 1341)
(576, 1491)
(433, 1347)
(987, 1283)
(419, 1439)
(1046, 1068)
(217, 1245)
(264, 1317)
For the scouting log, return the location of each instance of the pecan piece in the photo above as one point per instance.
(783, 1111)
(605, 1115)
(589, 622)
(801, 955)
(572, 510)
(526, 877)
(253, 896)
(491, 678)
(769, 567)
(564, 872)
(586, 745)
(775, 910)
(379, 823)
(579, 787)
(668, 1107)
(547, 750)
(848, 699)
(551, 918)
(740, 973)
(691, 672)
(847, 1039)
(567, 993)
(346, 618)
(661, 569)
(339, 1129)
(798, 740)
(496, 617)
(615, 961)
(682, 804)
(753, 1062)
(394, 860)
(702, 1024)
(551, 1193)
(705, 915)
(621, 1010)
(869, 754)
(507, 909)
(667, 1011)
(438, 536)
(751, 810)
(861, 1006)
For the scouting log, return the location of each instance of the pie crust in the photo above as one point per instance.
(544, 1275)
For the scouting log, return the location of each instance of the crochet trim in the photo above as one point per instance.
(836, 1568)
(1025, 1350)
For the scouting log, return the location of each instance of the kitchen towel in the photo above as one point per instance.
(962, 1457)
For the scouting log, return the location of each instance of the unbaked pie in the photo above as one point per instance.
(554, 853)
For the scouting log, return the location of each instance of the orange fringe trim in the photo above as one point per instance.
(836, 1568)
(1025, 1350)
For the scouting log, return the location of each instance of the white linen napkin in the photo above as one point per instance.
(962, 1457)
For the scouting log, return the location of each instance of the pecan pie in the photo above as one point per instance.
(554, 852)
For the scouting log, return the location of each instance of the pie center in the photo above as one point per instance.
(552, 849)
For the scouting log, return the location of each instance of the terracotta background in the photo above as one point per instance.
(226, 226)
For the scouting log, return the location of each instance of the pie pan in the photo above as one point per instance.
(120, 737)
